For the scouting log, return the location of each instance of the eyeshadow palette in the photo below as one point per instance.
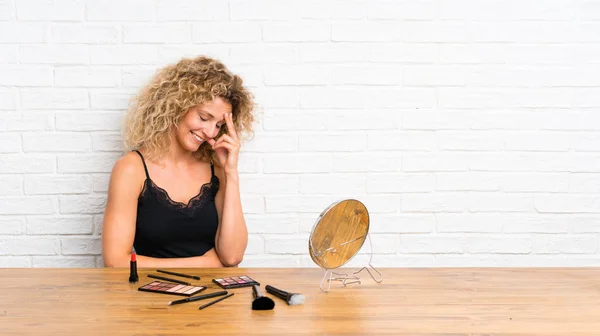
(171, 288)
(235, 282)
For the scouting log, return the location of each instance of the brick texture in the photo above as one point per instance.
(471, 130)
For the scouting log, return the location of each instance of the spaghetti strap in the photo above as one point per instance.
(212, 169)
(144, 162)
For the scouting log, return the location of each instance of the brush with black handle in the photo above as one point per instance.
(261, 302)
(292, 299)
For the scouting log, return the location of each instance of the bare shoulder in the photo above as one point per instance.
(129, 164)
(128, 170)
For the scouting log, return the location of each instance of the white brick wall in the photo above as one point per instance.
(470, 129)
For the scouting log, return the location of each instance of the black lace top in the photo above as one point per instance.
(169, 229)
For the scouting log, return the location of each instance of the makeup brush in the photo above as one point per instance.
(292, 299)
(261, 302)
(180, 274)
(199, 297)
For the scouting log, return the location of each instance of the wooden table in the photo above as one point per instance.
(413, 301)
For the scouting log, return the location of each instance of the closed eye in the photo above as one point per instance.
(204, 119)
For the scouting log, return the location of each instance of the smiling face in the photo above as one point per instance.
(202, 122)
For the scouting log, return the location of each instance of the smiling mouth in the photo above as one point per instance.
(199, 139)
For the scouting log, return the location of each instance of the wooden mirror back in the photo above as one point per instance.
(339, 233)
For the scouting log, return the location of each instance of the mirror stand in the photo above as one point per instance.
(345, 278)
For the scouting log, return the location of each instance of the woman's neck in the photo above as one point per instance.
(177, 155)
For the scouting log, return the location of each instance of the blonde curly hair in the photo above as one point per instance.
(156, 111)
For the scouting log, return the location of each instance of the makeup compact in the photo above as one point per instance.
(171, 288)
(235, 282)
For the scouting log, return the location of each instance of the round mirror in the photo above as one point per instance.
(339, 233)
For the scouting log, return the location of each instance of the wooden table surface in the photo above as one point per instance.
(409, 301)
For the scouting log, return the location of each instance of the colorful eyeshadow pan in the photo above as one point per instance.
(171, 288)
(235, 282)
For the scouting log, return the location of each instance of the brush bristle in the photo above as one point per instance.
(296, 299)
(263, 303)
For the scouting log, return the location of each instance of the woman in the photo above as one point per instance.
(174, 196)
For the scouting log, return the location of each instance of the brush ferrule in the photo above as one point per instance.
(256, 291)
(278, 293)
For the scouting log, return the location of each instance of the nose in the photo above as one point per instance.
(210, 132)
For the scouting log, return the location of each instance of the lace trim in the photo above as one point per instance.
(194, 203)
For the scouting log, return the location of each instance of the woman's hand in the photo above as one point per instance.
(227, 147)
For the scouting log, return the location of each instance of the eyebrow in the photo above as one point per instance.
(210, 114)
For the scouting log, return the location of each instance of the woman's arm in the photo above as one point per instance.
(232, 235)
(118, 226)
(118, 231)
(209, 259)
